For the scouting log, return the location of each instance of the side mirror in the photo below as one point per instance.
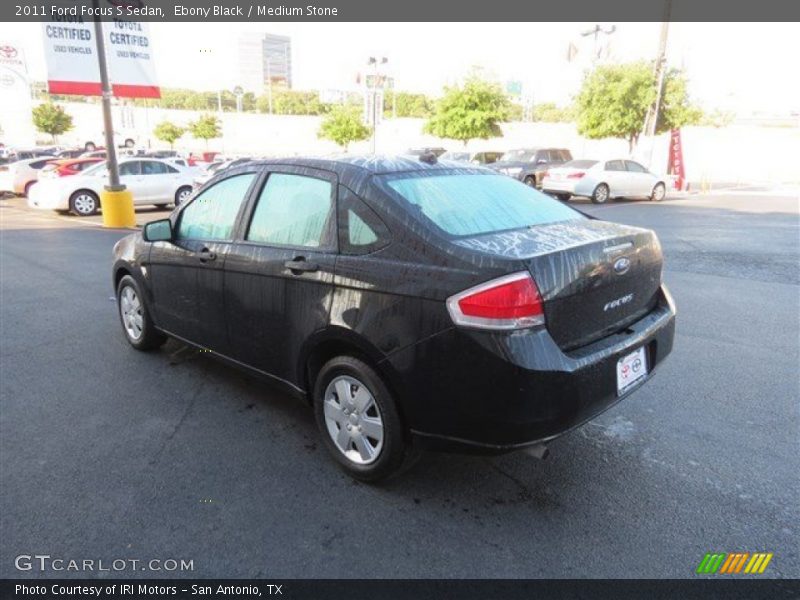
(158, 231)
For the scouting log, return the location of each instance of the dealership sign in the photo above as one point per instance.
(70, 52)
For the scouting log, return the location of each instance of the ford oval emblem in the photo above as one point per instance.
(621, 265)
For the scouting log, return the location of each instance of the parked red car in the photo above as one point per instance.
(69, 166)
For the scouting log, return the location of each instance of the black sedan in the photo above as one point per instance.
(414, 304)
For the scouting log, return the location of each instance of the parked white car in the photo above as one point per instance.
(603, 180)
(151, 181)
(18, 177)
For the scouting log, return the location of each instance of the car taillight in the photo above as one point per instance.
(575, 175)
(510, 302)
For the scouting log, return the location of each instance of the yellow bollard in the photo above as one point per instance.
(117, 209)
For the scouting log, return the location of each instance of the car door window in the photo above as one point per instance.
(131, 167)
(292, 210)
(361, 231)
(38, 164)
(212, 214)
(615, 165)
(635, 167)
(152, 167)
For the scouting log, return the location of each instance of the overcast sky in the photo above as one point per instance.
(743, 67)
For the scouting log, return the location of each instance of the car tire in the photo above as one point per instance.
(182, 194)
(129, 143)
(530, 180)
(600, 194)
(90, 147)
(84, 203)
(135, 317)
(658, 193)
(363, 456)
(563, 197)
(28, 187)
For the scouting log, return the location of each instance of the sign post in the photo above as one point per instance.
(115, 200)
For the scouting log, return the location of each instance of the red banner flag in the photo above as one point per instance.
(675, 165)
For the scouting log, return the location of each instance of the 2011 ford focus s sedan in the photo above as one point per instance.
(414, 303)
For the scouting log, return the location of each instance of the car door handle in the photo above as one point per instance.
(300, 265)
(205, 255)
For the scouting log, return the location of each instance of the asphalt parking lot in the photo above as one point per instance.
(109, 453)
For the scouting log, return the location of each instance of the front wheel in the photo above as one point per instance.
(84, 203)
(136, 322)
(358, 420)
(601, 193)
(182, 195)
(659, 191)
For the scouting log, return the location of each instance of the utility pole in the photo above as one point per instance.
(651, 120)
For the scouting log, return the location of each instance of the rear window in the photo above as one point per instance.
(581, 164)
(464, 205)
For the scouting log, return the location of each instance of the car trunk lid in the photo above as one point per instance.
(594, 277)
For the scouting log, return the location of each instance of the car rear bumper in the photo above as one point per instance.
(558, 186)
(474, 391)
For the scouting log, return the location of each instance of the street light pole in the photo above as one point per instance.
(116, 202)
(105, 85)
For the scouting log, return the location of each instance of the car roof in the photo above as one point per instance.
(362, 164)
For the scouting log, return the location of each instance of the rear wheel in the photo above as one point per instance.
(358, 420)
(84, 203)
(659, 191)
(182, 195)
(601, 193)
(563, 197)
(136, 322)
(28, 187)
(530, 180)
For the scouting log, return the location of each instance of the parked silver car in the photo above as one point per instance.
(603, 180)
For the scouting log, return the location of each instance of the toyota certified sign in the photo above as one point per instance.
(8, 52)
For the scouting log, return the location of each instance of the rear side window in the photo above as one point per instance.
(467, 205)
(635, 167)
(361, 231)
(131, 167)
(212, 214)
(151, 167)
(292, 210)
(615, 165)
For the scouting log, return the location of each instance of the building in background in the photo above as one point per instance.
(265, 60)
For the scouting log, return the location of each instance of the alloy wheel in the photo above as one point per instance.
(353, 419)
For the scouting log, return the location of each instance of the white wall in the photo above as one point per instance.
(738, 153)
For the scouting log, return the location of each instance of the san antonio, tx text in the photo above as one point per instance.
(129, 589)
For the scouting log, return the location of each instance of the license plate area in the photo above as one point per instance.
(631, 370)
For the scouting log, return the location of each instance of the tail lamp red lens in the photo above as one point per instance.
(576, 175)
(510, 302)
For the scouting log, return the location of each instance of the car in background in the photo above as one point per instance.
(151, 181)
(19, 177)
(70, 153)
(15, 154)
(67, 167)
(217, 167)
(437, 151)
(512, 318)
(603, 180)
(475, 158)
(529, 164)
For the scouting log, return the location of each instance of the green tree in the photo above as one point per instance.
(408, 105)
(168, 132)
(614, 100)
(471, 111)
(343, 125)
(206, 127)
(51, 118)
